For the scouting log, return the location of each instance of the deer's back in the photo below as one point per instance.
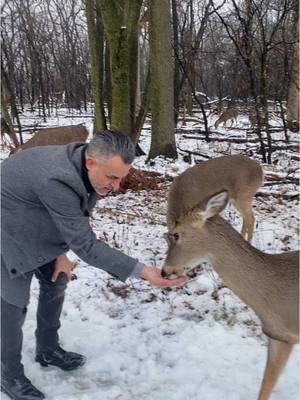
(230, 113)
(237, 174)
(57, 136)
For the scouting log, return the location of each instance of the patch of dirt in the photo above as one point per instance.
(142, 180)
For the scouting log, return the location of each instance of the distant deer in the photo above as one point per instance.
(268, 283)
(229, 114)
(253, 118)
(237, 174)
(55, 136)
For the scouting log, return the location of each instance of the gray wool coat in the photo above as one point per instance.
(45, 212)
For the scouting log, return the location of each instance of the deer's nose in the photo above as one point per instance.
(163, 273)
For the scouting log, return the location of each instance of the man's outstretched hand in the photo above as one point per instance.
(153, 275)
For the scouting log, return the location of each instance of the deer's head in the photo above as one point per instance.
(189, 240)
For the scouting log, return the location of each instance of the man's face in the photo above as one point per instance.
(105, 176)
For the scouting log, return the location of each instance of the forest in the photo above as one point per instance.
(162, 58)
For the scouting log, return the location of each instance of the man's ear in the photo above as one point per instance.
(213, 205)
(89, 162)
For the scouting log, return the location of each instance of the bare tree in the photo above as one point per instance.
(253, 30)
(161, 80)
(120, 21)
(96, 43)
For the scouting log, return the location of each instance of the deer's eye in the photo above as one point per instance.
(175, 236)
(171, 237)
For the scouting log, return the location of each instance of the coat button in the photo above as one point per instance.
(40, 259)
(13, 271)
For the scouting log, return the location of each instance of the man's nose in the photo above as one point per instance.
(116, 184)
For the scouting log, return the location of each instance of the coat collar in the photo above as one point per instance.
(84, 173)
(77, 155)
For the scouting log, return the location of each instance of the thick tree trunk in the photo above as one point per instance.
(96, 40)
(119, 61)
(120, 23)
(161, 80)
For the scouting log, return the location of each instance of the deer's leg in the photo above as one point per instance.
(250, 220)
(278, 354)
(245, 209)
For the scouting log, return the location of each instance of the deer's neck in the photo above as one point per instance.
(267, 283)
(240, 265)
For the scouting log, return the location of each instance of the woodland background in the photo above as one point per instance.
(167, 58)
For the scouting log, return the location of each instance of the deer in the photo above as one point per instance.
(267, 283)
(252, 118)
(55, 136)
(228, 114)
(239, 175)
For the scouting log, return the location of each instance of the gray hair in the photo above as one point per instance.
(107, 144)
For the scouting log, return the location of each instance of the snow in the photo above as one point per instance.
(195, 342)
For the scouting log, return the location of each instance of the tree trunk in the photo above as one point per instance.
(264, 103)
(161, 80)
(7, 118)
(96, 40)
(190, 70)
(176, 65)
(107, 81)
(293, 91)
(120, 23)
(141, 116)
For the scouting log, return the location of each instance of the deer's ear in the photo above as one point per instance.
(213, 205)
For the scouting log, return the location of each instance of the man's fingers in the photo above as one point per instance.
(181, 280)
(67, 272)
(69, 275)
(54, 276)
(153, 275)
(172, 282)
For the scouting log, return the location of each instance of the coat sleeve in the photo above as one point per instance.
(63, 203)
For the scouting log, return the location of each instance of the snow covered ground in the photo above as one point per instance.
(198, 342)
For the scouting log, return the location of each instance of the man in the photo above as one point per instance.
(47, 195)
